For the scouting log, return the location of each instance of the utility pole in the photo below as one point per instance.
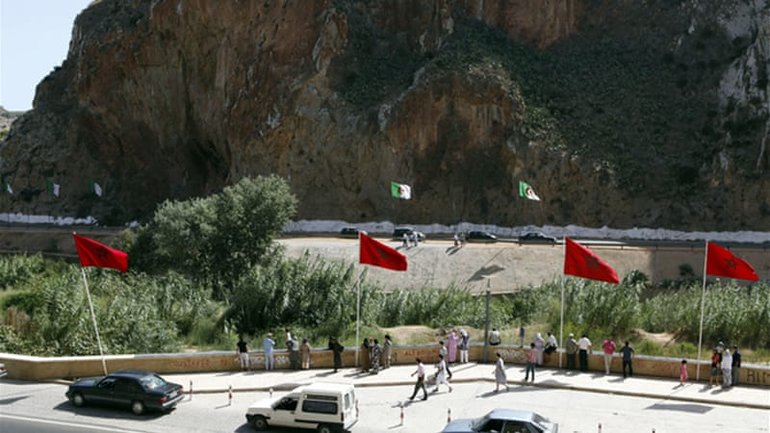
(486, 325)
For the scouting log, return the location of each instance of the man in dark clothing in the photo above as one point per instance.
(736, 372)
(572, 349)
(243, 353)
(336, 349)
(627, 352)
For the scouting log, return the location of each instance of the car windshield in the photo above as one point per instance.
(152, 382)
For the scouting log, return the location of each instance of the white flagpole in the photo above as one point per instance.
(358, 316)
(93, 316)
(702, 308)
(561, 324)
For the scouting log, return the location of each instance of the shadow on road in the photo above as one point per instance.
(106, 412)
(682, 407)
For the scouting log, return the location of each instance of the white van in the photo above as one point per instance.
(325, 407)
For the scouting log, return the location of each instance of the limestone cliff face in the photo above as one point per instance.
(461, 99)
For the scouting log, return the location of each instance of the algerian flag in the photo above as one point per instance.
(400, 190)
(54, 189)
(96, 188)
(7, 186)
(526, 191)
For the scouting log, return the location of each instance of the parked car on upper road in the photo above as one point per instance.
(398, 233)
(537, 237)
(349, 232)
(480, 236)
(138, 390)
(503, 421)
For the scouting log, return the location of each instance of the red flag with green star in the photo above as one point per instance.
(373, 252)
(721, 262)
(582, 262)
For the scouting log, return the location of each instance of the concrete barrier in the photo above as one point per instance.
(42, 368)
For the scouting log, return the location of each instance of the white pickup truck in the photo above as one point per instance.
(325, 407)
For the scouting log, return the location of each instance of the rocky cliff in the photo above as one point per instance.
(618, 112)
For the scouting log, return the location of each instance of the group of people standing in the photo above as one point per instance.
(299, 354)
(725, 366)
(375, 356)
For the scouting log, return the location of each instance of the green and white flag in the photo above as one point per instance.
(400, 190)
(7, 186)
(526, 191)
(96, 189)
(54, 189)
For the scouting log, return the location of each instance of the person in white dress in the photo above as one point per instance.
(441, 374)
(501, 378)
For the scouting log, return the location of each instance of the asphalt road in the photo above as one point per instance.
(33, 407)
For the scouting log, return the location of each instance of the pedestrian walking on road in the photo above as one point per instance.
(736, 366)
(420, 372)
(464, 342)
(628, 354)
(539, 346)
(727, 368)
(442, 375)
(442, 353)
(501, 378)
(304, 353)
(584, 345)
(243, 353)
(267, 346)
(683, 372)
(405, 241)
(336, 349)
(387, 351)
(572, 349)
(608, 347)
(366, 355)
(531, 362)
(451, 346)
(522, 331)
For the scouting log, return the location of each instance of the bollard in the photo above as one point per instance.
(230, 396)
(271, 392)
(402, 413)
(448, 415)
(600, 427)
(356, 408)
(191, 390)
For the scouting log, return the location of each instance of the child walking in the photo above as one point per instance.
(683, 372)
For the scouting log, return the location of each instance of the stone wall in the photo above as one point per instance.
(38, 368)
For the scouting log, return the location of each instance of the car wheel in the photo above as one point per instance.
(260, 423)
(325, 428)
(78, 400)
(137, 407)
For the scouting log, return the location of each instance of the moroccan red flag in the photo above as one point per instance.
(93, 253)
(373, 252)
(582, 262)
(721, 262)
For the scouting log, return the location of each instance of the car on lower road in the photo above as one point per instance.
(503, 421)
(138, 390)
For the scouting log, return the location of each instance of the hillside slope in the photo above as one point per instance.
(619, 113)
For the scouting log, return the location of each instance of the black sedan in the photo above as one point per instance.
(139, 390)
(503, 421)
(480, 236)
(537, 237)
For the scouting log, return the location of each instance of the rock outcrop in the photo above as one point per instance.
(618, 113)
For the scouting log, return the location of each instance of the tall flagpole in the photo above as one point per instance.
(702, 308)
(358, 315)
(561, 323)
(93, 317)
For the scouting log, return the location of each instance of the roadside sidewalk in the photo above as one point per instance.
(284, 380)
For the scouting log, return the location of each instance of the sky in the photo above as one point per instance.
(34, 38)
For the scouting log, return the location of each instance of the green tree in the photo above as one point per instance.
(214, 239)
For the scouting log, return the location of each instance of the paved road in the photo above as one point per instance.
(575, 411)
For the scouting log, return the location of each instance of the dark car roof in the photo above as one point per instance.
(132, 374)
